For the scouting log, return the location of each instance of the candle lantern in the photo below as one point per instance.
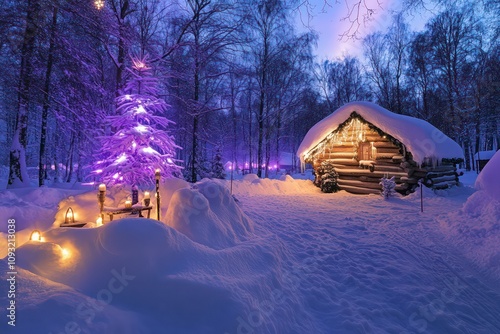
(36, 236)
(69, 218)
(128, 204)
(157, 177)
(147, 198)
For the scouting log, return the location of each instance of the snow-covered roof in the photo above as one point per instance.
(420, 138)
(484, 155)
(489, 179)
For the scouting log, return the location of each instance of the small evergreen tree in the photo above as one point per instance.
(140, 143)
(388, 187)
(218, 171)
(328, 178)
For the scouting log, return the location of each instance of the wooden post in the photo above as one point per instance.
(420, 182)
(157, 177)
(232, 169)
(101, 197)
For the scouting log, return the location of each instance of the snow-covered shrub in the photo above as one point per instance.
(388, 187)
(328, 177)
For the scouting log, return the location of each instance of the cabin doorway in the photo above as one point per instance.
(365, 151)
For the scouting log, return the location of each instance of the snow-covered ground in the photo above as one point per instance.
(285, 259)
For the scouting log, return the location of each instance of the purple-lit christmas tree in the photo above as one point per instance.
(140, 142)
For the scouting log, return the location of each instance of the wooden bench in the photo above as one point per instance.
(132, 210)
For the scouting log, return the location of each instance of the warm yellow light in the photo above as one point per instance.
(70, 217)
(65, 253)
(99, 4)
(98, 222)
(36, 236)
(128, 204)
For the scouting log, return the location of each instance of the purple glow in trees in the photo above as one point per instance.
(140, 143)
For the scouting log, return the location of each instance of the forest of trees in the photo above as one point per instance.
(239, 77)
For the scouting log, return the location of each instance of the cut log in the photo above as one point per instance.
(440, 179)
(360, 190)
(348, 162)
(432, 175)
(357, 183)
(375, 138)
(380, 144)
(339, 155)
(365, 178)
(444, 185)
(444, 168)
(410, 180)
(381, 155)
(340, 149)
(366, 172)
(392, 150)
(388, 168)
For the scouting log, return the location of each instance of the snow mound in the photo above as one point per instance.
(420, 138)
(208, 215)
(286, 185)
(476, 230)
(144, 267)
(286, 178)
(489, 178)
(250, 177)
(54, 307)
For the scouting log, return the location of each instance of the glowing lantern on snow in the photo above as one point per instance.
(65, 253)
(147, 198)
(69, 218)
(36, 236)
(98, 222)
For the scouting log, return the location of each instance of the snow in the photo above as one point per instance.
(420, 138)
(285, 259)
(489, 178)
(484, 155)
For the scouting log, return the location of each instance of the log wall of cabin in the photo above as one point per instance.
(387, 161)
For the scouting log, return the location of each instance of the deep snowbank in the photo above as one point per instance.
(251, 185)
(169, 281)
(489, 178)
(201, 270)
(475, 228)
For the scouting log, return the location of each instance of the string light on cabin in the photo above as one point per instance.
(353, 131)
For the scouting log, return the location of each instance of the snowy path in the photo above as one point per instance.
(371, 266)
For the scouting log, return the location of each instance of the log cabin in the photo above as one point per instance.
(365, 142)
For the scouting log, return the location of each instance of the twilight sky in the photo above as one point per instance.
(327, 21)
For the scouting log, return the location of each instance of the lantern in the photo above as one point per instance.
(36, 236)
(147, 198)
(65, 253)
(69, 217)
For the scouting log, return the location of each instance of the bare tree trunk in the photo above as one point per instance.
(46, 98)
(18, 173)
(69, 164)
